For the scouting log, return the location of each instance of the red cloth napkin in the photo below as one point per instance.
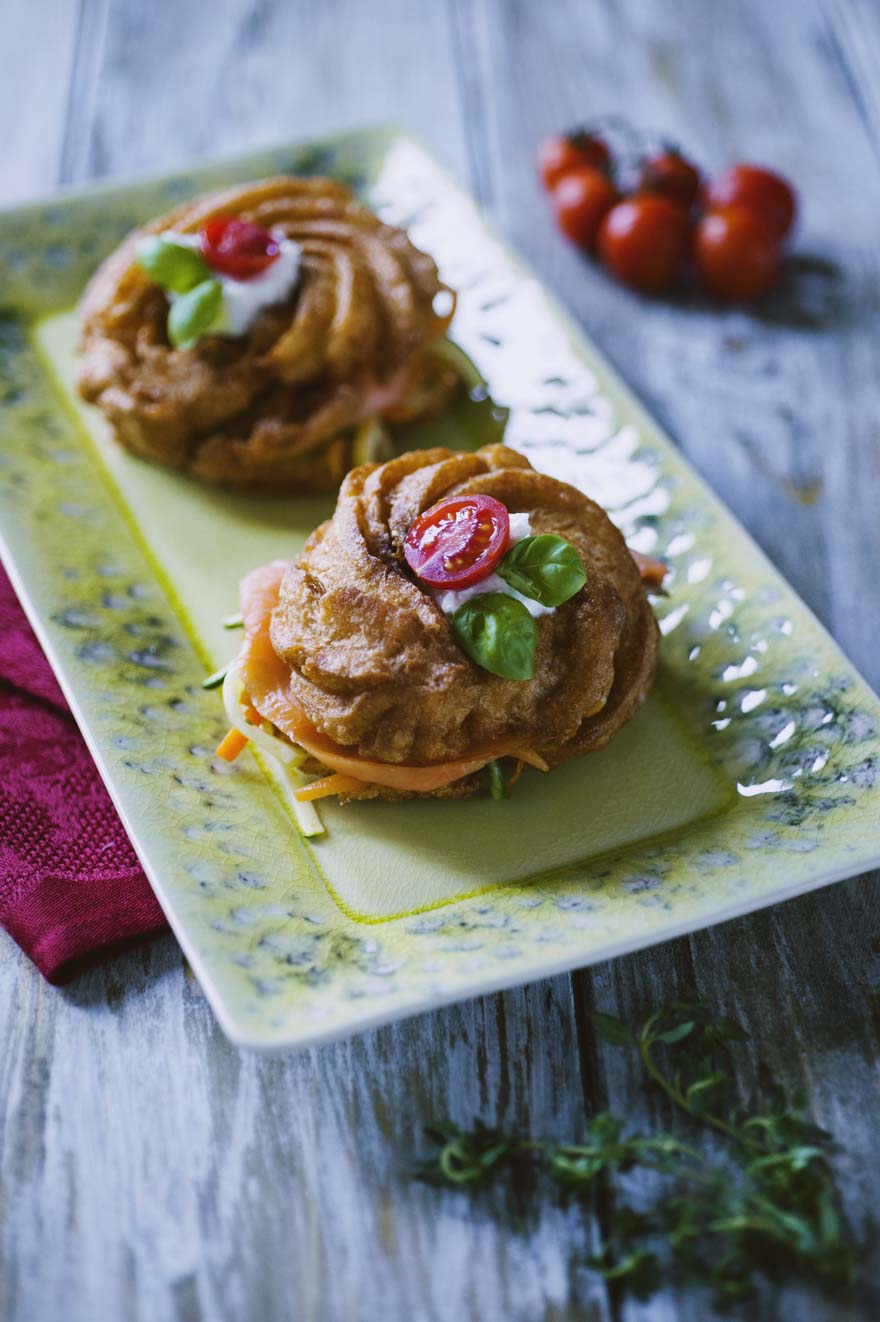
(71, 889)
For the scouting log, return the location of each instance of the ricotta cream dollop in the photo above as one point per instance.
(244, 300)
(449, 600)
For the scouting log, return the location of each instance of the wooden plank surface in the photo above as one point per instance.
(34, 93)
(149, 1171)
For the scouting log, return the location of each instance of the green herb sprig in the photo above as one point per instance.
(173, 266)
(498, 633)
(194, 314)
(197, 306)
(769, 1208)
(545, 568)
(496, 630)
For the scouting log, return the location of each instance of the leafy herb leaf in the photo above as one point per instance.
(613, 1030)
(466, 1158)
(193, 314)
(639, 1269)
(498, 633)
(545, 567)
(677, 1033)
(770, 1207)
(171, 265)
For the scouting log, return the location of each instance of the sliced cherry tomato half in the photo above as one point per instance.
(458, 541)
(238, 248)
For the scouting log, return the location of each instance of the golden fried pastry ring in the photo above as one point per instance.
(273, 408)
(371, 663)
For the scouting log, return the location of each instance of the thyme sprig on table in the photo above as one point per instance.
(767, 1205)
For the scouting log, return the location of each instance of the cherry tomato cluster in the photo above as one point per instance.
(652, 219)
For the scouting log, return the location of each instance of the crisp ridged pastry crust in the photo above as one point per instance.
(375, 665)
(274, 408)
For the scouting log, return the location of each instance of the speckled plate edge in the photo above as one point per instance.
(279, 962)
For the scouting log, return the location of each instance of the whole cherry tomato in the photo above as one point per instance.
(559, 155)
(737, 254)
(238, 248)
(644, 241)
(762, 191)
(458, 541)
(671, 175)
(580, 200)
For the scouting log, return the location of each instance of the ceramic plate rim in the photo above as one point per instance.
(810, 876)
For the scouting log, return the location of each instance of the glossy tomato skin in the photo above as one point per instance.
(458, 541)
(644, 242)
(737, 255)
(671, 175)
(559, 155)
(580, 200)
(593, 149)
(237, 248)
(762, 191)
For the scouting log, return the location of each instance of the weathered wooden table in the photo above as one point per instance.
(147, 1169)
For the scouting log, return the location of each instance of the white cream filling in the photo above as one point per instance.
(244, 300)
(449, 600)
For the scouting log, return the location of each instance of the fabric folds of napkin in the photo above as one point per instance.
(71, 889)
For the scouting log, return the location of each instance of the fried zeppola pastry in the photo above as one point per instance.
(415, 640)
(243, 337)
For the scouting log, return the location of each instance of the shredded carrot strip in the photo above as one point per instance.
(652, 571)
(230, 747)
(532, 758)
(516, 774)
(324, 788)
(252, 716)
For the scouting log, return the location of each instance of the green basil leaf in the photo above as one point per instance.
(192, 315)
(498, 633)
(171, 265)
(545, 567)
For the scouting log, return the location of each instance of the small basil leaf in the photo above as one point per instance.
(545, 567)
(192, 315)
(171, 265)
(498, 633)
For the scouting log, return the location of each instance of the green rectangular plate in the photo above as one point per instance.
(751, 775)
